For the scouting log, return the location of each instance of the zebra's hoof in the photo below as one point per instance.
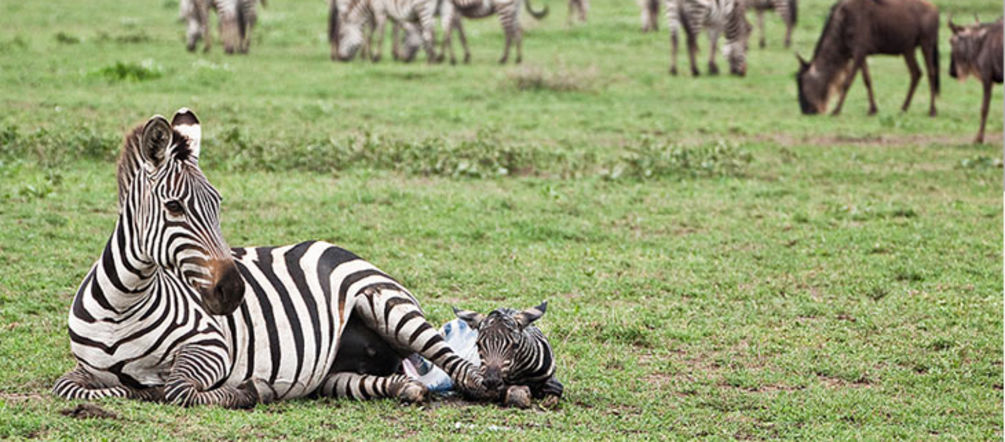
(517, 396)
(673, 71)
(259, 390)
(467, 58)
(713, 69)
(413, 393)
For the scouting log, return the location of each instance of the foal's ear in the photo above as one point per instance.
(473, 319)
(187, 124)
(530, 315)
(154, 144)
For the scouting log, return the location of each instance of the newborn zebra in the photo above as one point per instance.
(514, 353)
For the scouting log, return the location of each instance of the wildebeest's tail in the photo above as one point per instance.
(537, 14)
(794, 11)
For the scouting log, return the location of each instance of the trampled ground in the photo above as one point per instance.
(715, 263)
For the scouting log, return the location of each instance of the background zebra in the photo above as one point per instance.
(578, 9)
(168, 312)
(509, 16)
(514, 352)
(351, 23)
(650, 14)
(236, 17)
(788, 10)
(718, 16)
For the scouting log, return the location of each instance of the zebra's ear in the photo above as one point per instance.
(473, 319)
(532, 314)
(187, 124)
(154, 144)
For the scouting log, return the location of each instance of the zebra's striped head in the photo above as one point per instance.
(172, 212)
(505, 347)
(345, 28)
(737, 36)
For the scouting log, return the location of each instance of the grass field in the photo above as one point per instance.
(715, 263)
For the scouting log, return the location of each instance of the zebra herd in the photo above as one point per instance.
(169, 313)
(358, 26)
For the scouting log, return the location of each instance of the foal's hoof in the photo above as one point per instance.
(549, 401)
(517, 396)
(413, 393)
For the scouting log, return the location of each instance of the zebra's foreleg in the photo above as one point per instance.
(673, 51)
(760, 26)
(464, 41)
(197, 368)
(377, 37)
(713, 44)
(365, 386)
(692, 48)
(79, 384)
(395, 316)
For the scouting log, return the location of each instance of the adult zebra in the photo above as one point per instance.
(452, 11)
(168, 312)
(237, 18)
(788, 10)
(349, 22)
(718, 16)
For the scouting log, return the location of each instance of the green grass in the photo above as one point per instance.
(715, 263)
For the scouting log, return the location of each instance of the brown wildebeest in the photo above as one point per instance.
(859, 28)
(977, 51)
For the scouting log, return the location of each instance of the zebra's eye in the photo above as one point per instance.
(174, 207)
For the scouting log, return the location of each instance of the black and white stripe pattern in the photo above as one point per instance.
(351, 22)
(168, 312)
(452, 11)
(788, 10)
(717, 16)
(237, 18)
(514, 352)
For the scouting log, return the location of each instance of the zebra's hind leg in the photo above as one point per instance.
(366, 386)
(464, 41)
(713, 44)
(395, 316)
(79, 384)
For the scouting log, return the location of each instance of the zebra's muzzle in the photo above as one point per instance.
(223, 297)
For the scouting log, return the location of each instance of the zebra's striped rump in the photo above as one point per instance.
(169, 312)
(513, 352)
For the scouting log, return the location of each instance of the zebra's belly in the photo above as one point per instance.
(297, 302)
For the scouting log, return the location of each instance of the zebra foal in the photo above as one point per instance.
(170, 313)
(514, 353)
(717, 16)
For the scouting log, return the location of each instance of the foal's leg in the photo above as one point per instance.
(912, 66)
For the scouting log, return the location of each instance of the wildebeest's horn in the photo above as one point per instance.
(802, 61)
(952, 26)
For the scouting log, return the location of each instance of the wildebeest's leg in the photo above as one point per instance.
(692, 48)
(929, 52)
(760, 25)
(868, 86)
(365, 386)
(79, 384)
(847, 85)
(713, 43)
(377, 48)
(197, 369)
(912, 66)
(395, 316)
(985, 102)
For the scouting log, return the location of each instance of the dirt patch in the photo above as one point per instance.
(20, 397)
(88, 411)
(870, 140)
(833, 382)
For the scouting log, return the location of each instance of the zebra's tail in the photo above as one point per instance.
(793, 11)
(537, 14)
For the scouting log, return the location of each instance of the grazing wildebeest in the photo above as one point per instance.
(859, 28)
(977, 51)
